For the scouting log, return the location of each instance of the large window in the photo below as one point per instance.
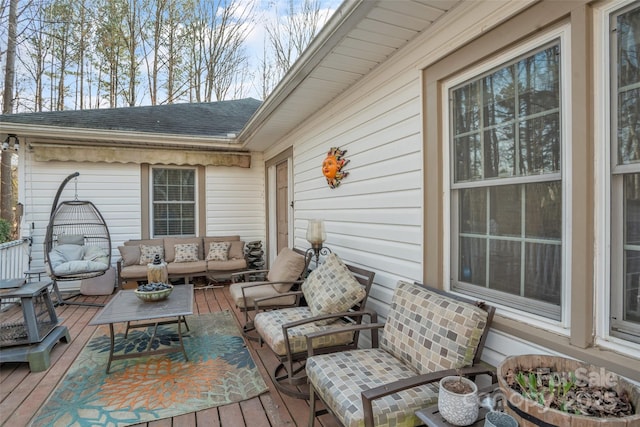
(625, 174)
(505, 138)
(173, 202)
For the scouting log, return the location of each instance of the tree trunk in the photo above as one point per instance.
(6, 190)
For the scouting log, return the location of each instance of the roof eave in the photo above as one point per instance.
(98, 136)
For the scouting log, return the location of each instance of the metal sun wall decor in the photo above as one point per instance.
(332, 166)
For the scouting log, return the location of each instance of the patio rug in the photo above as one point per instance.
(220, 371)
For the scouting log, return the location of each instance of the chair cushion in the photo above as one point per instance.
(429, 331)
(287, 267)
(269, 325)
(130, 255)
(148, 253)
(186, 252)
(331, 288)
(340, 378)
(218, 251)
(253, 292)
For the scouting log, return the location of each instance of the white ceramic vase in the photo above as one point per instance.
(458, 409)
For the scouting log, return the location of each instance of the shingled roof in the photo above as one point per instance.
(213, 119)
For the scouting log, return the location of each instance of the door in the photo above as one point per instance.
(282, 205)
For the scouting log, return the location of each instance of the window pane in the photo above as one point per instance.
(499, 97)
(466, 109)
(543, 272)
(473, 211)
(468, 158)
(539, 82)
(628, 126)
(540, 145)
(473, 261)
(499, 159)
(506, 211)
(543, 210)
(504, 266)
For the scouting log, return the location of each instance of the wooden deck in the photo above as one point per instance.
(23, 392)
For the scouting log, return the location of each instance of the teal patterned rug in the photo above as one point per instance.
(220, 371)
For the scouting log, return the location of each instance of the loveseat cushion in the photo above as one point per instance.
(170, 246)
(186, 268)
(269, 325)
(331, 288)
(134, 272)
(287, 267)
(340, 378)
(430, 331)
(229, 265)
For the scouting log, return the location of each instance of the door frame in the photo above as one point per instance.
(271, 198)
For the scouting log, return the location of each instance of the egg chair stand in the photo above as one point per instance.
(81, 228)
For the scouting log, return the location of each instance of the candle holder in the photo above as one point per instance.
(316, 236)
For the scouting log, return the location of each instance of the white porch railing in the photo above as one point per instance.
(14, 258)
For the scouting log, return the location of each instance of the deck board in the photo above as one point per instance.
(23, 392)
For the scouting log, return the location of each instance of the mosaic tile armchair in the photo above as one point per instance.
(335, 294)
(287, 271)
(428, 334)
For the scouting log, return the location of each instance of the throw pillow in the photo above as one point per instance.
(71, 239)
(287, 267)
(218, 251)
(130, 255)
(148, 253)
(331, 288)
(186, 252)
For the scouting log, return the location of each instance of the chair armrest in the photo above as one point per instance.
(384, 390)
(374, 327)
(373, 316)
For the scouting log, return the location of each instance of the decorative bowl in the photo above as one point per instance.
(153, 292)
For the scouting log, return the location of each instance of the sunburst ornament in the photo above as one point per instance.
(332, 166)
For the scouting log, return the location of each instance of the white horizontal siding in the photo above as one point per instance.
(236, 201)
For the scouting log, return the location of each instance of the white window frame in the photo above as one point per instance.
(561, 33)
(152, 203)
(602, 167)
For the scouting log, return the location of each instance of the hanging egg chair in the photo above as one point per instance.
(77, 243)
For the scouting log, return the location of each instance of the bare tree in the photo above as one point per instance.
(6, 193)
(288, 36)
(216, 37)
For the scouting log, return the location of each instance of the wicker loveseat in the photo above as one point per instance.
(186, 257)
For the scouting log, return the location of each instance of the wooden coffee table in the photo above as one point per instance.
(125, 306)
